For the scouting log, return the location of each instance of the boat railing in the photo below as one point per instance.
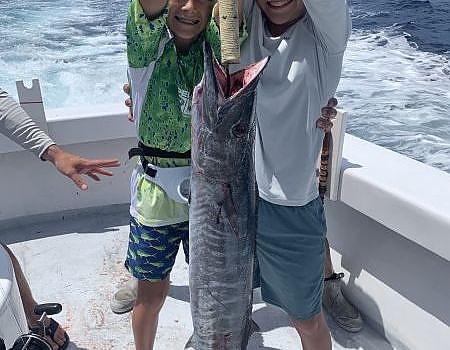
(389, 228)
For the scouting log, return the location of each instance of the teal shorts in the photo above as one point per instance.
(152, 250)
(290, 251)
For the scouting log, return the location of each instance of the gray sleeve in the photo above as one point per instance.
(248, 9)
(331, 22)
(20, 128)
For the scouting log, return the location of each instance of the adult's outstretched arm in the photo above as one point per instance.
(20, 128)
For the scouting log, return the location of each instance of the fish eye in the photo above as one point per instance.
(239, 130)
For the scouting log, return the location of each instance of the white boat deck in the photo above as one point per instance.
(78, 261)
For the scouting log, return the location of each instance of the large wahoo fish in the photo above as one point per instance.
(222, 214)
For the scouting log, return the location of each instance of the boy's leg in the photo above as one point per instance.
(150, 258)
(343, 312)
(290, 249)
(328, 263)
(149, 301)
(314, 333)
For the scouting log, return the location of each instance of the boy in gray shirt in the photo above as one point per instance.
(305, 40)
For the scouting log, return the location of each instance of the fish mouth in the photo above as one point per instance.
(277, 4)
(188, 21)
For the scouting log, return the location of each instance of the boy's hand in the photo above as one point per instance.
(328, 112)
(128, 102)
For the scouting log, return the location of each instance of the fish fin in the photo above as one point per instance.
(254, 327)
(189, 344)
(210, 90)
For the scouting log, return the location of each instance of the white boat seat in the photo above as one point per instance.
(12, 316)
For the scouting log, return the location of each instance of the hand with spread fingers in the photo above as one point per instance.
(74, 166)
(328, 113)
(21, 129)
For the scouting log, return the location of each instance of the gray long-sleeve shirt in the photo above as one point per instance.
(302, 74)
(20, 128)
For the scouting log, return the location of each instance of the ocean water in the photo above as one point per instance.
(76, 48)
(396, 77)
(395, 82)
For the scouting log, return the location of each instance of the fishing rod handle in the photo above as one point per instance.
(324, 165)
(229, 31)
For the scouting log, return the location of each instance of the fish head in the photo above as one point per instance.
(223, 123)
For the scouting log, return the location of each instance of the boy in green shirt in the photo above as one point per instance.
(165, 59)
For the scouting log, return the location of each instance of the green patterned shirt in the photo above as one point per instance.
(164, 120)
(162, 82)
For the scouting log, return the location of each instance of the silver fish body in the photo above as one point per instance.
(222, 219)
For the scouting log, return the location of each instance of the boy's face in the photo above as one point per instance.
(282, 11)
(188, 18)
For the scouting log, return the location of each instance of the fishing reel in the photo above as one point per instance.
(35, 339)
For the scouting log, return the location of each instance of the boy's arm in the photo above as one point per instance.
(153, 7)
(332, 20)
(144, 31)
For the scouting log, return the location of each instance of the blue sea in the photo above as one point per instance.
(396, 78)
(395, 83)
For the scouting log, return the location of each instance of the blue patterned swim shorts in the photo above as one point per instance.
(152, 250)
